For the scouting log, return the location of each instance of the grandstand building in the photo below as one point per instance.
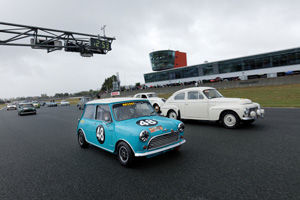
(170, 67)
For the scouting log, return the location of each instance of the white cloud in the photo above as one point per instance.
(205, 30)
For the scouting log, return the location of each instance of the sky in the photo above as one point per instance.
(207, 30)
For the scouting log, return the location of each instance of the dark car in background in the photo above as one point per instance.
(26, 108)
(83, 101)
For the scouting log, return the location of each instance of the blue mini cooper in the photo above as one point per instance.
(128, 127)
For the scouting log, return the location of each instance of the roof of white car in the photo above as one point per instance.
(145, 93)
(195, 88)
(114, 100)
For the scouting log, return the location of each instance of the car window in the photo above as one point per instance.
(138, 96)
(89, 112)
(144, 96)
(152, 95)
(212, 93)
(103, 113)
(129, 110)
(179, 96)
(194, 95)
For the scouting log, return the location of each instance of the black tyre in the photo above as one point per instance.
(125, 154)
(157, 108)
(172, 114)
(230, 120)
(81, 140)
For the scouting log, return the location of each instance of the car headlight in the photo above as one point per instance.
(144, 136)
(246, 111)
(181, 127)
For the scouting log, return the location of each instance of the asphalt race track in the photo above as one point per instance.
(41, 159)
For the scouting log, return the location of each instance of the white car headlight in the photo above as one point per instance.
(181, 127)
(144, 136)
(246, 111)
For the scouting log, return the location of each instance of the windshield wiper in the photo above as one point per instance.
(152, 113)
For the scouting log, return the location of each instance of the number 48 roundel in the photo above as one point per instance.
(146, 122)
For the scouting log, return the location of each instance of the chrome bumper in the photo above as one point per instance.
(160, 150)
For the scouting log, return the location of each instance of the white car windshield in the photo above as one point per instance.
(212, 93)
(152, 95)
(135, 109)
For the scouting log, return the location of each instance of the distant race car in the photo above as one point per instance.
(64, 103)
(156, 101)
(52, 103)
(83, 101)
(26, 108)
(11, 107)
(36, 104)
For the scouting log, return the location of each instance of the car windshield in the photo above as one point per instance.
(26, 105)
(212, 93)
(152, 95)
(134, 109)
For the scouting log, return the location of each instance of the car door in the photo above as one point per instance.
(179, 101)
(196, 105)
(103, 128)
(87, 122)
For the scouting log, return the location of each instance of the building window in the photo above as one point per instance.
(226, 67)
(249, 64)
(208, 70)
(275, 61)
(190, 72)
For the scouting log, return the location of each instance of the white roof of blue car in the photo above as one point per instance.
(114, 100)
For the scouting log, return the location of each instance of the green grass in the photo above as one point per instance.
(266, 96)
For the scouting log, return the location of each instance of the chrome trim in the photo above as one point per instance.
(168, 133)
(160, 150)
(162, 135)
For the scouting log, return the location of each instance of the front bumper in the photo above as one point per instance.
(149, 153)
(254, 114)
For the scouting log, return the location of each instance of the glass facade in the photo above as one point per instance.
(161, 60)
(267, 60)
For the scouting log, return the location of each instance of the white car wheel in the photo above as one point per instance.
(172, 114)
(230, 120)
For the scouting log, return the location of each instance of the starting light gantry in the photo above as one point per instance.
(52, 40)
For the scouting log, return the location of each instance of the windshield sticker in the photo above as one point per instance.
(156, 128)
(146, 122)
(128, 104)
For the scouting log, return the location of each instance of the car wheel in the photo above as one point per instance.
(157, 108)
(125, 154)
(230, 120)
(81, 140)
(172, 114)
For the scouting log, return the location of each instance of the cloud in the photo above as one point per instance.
(205, 30)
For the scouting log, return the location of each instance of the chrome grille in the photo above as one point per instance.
(163, 140)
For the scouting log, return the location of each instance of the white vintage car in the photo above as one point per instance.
(206, 103)
(64, 103)
(155, 101)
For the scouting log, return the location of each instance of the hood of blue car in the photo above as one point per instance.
(153, 124)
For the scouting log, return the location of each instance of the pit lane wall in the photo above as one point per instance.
(284, 80)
